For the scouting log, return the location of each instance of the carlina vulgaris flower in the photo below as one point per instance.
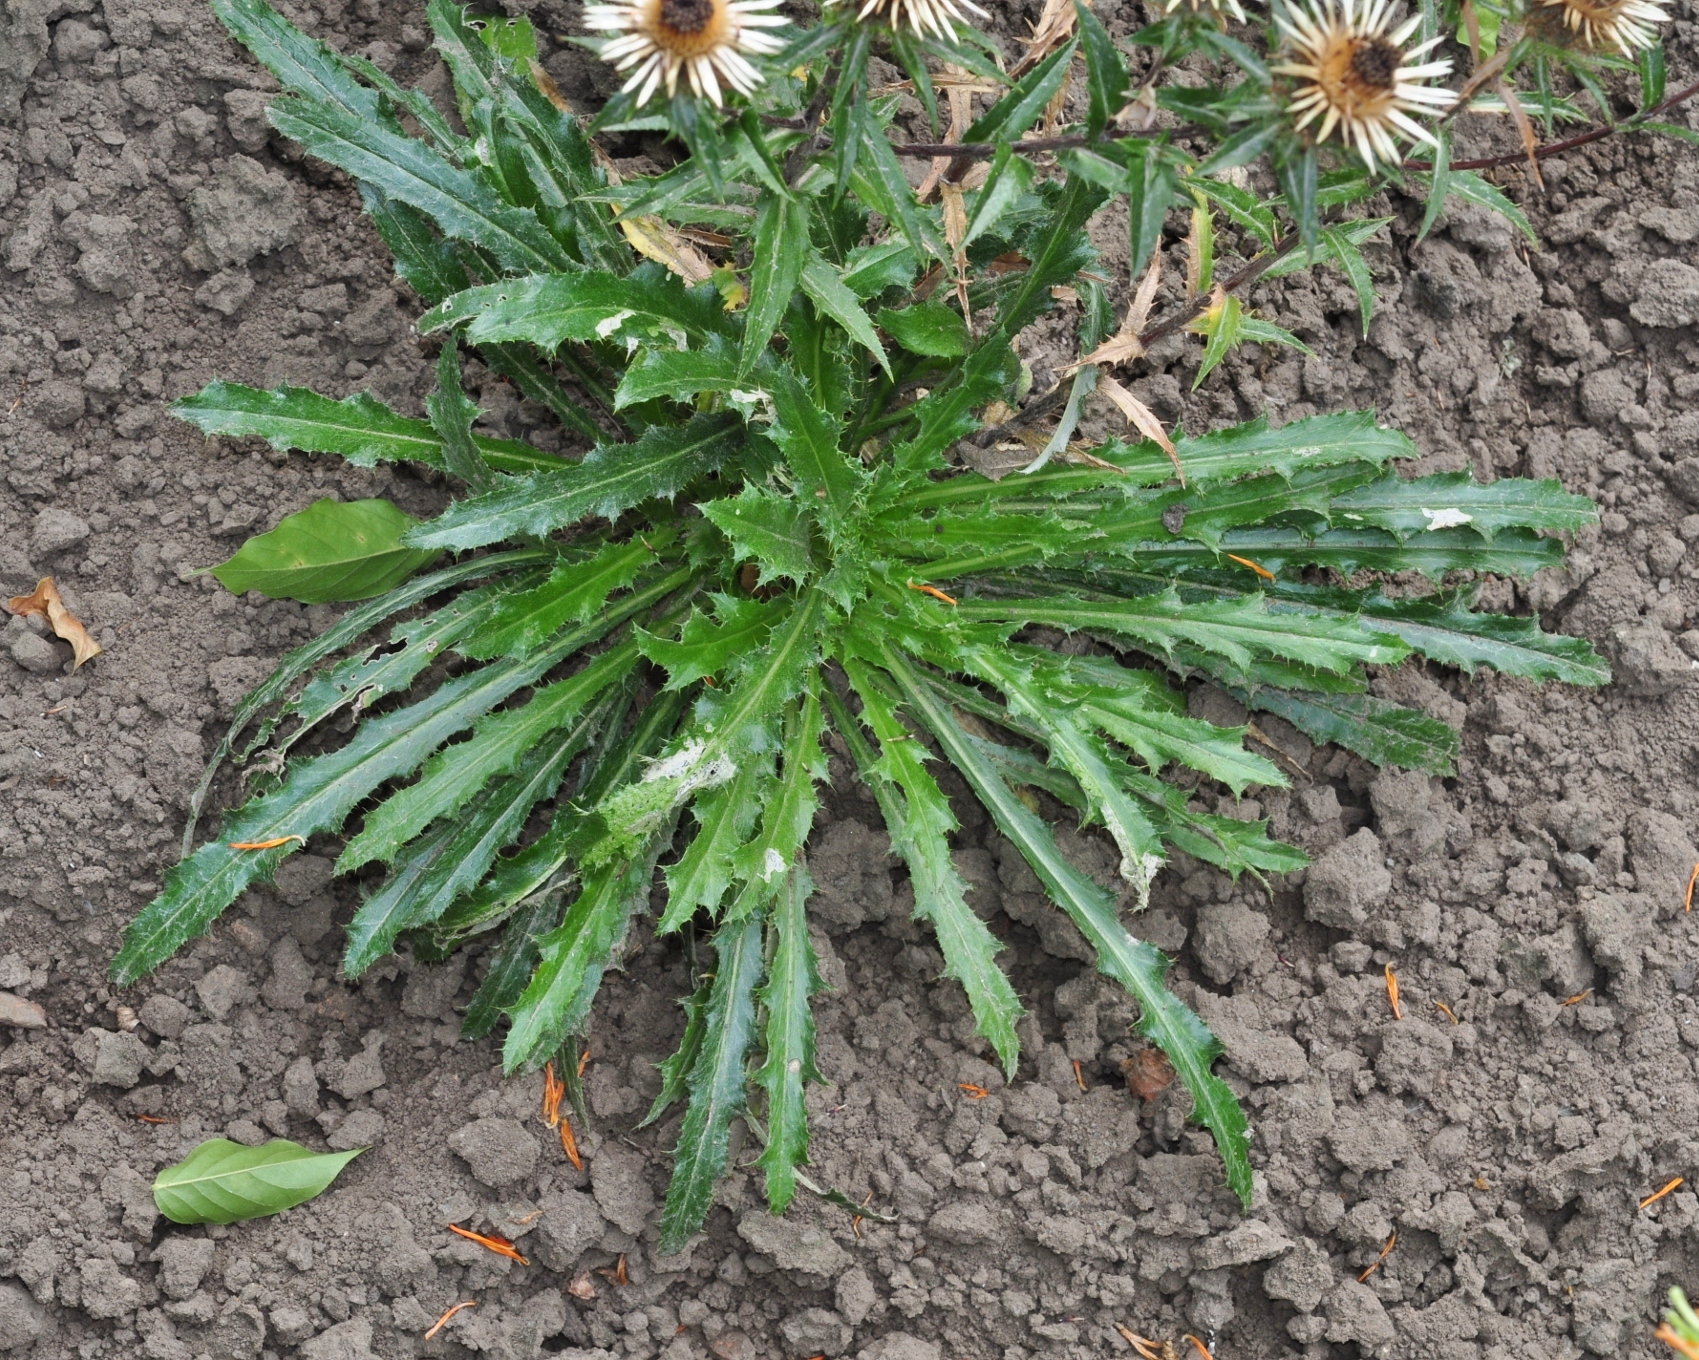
(1627, 25)
(708, 41)
(1354, 72)
(938, 17)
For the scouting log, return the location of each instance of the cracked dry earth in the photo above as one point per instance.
(154, 235)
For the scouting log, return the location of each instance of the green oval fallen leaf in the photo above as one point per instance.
(225, 1182)
(330, 552)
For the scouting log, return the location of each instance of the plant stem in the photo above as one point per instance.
(1557, 148)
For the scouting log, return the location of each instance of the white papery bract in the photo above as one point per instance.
(1630, 26)
(707, 41)
(1357, 77)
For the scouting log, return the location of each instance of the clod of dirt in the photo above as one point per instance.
(967, 1223)
(793, 1244)
(21, 1014)
(1246, 1244)
(1412, 1056)
(1668, 295)
(56, 531)
(113, 1057)
(22, 1322)
(301, 1088)
(498, 1151)
(361, 1074)
(247, 211)
(1257, 1051)
(351, 1340)
(619, 1181)
(291, 976)
(226, 291)
(1355, 1314)
(899, 1346)
(1646, 662)
(1348, 882)
(1662, 858)
(816, 1331)
(1229, 937)
(1616, 934)
(570, 1225)
(164, 1015)
(184, 1262)
(222, 990)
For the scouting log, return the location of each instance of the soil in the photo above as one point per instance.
(1539, 1085)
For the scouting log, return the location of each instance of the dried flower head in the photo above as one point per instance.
(1216, 6)
(939, 17)
(704, 39)
(1627, 25)
(1357, 77)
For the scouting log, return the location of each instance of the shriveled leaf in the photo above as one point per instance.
(329, 552)
(44, 602)
(225, 1182)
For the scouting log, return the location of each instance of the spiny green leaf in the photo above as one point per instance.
(1375, 729)
(1512, 552)
(1116, 699)
(1443, 628)
(729, 727)
(1237, 630)
(808, 436)
(792, 978)
(225, 1182)
(821, 282)
(612, 478)
(323, 790)
(452, 414)
(929, 328)
(1135, 964)
(718, 1087)
(1021, 107)
(1106, 73)
(919, 820)
(1447, 500)
(725, 818)
(424, 886)
(1009, 177)
(522, 620)
(457, 201)
(679, 374)
(781, 249)
(787, 814)
(497, 745)
(872, 270)
(675, 1070)
(647, 306)
(1350, 260)
(1074, 748)
(360, 428)
(329, 552)
(511, 964)
(574, 955)
(880, 182)
(304, 65)
(766, 528)
(707, 647)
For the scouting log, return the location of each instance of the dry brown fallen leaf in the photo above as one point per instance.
(46, 602)
(1148, 1073)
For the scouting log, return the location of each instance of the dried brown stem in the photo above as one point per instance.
(1038, 406)
(1557, 148)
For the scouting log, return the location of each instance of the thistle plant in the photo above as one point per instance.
(776, 360)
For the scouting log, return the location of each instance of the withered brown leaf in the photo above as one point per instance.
(46, 603)
(1148, 1073)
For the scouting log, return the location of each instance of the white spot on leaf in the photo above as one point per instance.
(772, 863)
(606, 328)
(1448, 518)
